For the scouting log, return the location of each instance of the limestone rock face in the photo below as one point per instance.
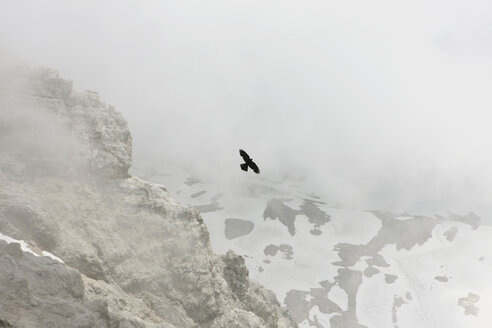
(41, 292)
(236, 273)
(50, 127)
(134, 257)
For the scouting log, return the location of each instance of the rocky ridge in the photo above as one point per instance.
(133, 256)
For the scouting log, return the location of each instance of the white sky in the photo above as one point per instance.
(380, 103)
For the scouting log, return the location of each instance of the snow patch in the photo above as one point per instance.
(25, 247)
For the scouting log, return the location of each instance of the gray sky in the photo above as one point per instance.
(379, 103)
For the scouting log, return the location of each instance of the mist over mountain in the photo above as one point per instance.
(380, 105)
(369, 121)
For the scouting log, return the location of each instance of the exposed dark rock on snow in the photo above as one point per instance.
(145, 260)
(198, 194)
(370, 271)
(286, 250)
(397, 303)
(450, 234)
(299, 304)
(404, 234)
(236, 273)
(390, 278)
(235, 228)
(468, 303)
(348, 280)
(276, 209)
(377, 260)
(190, 181)
(442, 278)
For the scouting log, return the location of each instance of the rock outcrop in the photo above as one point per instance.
(134, 257)
(41, 292)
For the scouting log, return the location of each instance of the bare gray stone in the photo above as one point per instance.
(405, 234)
(235, 228)
(286, 250)
(198, 194)
(276, 209)
(296, 302)
(236, 273)
(316, 216)
(190, 181)
(377, 260)
(271, 250)
(390, 278)
(450, 234)
(397, 302)
(468, 303)
(370, 271)
(41, 292)
(441, 278)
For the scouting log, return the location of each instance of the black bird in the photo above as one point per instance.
(248, 162)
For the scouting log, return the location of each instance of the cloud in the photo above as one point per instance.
(360, 97)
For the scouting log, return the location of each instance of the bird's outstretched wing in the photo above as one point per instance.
(244, 155)
(254, 167)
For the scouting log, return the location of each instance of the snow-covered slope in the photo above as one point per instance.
(339, 268)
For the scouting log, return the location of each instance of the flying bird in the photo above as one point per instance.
(248, 162)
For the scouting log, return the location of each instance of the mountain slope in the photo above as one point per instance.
(66, 190)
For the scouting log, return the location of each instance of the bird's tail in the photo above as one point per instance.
(244, 167)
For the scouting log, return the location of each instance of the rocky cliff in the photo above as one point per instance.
(133, 256)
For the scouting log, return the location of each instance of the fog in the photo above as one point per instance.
(377, 104)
